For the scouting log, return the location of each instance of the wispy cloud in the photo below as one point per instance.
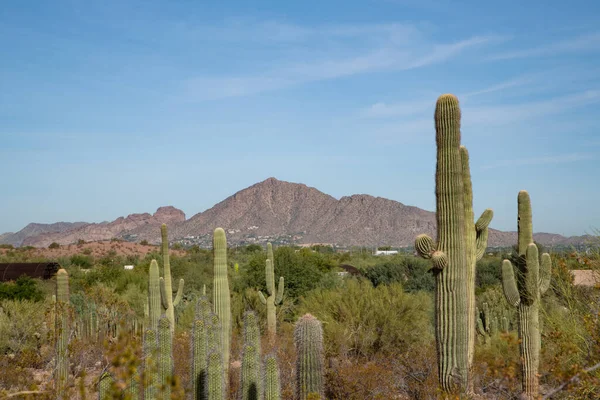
(508, 114)
(412, 107)
(556, 159)
(336, 51)
(583, 43)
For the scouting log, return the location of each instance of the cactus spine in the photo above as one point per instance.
(308, 337)
(275, 295)
(221, 296)
(62, 327)
(460, 242)
(165, 357)
(533, 279)
(167, 293)
(251, 378)
(272, 385)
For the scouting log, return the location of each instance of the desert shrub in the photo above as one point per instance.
(24, 288)
(360, 320)
(22, 326)
(411, 271)
(361, 380)
(81, 260)
(6, 246)
(488, 273)
(54, 245)
(144, 242)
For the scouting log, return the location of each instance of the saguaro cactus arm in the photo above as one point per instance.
(262, 297)
(154, 296)
(482, 232)
(529, 291)
(280, 288)
(179, 293)
(425, 246)
(163, 295)
(509, 285)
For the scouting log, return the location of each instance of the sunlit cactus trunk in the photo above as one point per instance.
(221, 295)
(62, 327)
(533, 279)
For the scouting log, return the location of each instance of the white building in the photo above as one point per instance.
(385, 252)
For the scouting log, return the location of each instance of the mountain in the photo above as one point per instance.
(279, 211)
(33, 230)
(121, 227)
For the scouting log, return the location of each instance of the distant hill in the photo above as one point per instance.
(274, 208)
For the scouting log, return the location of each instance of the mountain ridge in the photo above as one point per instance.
(272, 208)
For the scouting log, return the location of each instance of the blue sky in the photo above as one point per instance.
(114, 107)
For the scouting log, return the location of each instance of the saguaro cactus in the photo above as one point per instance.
(251, 377)
(275, 295)
(221, 296)
(533, 279)
(167, 290)
(62, 327)
(459, 243)
(272, 384)
(308, 337)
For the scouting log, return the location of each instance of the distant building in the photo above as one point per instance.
(385, 252)
(128, 267)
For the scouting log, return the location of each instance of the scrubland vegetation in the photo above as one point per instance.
(378, 327)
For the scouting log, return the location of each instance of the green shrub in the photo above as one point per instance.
(54, 245)
(22, 326)
(360, 320)
(83, 261)
(24, 288)
(411, 271)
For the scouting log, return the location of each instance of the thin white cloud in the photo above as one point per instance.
(508, 114)
(412, 107)
(336, 51)
(556, 159)
(584, 43)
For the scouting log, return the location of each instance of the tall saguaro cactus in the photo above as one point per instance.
(221, 296)
(167, 290)
(533, 279)
(308, 337)
(62, 327)
(460, 242)
(275, 295)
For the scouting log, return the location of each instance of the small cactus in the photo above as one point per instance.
(165, 356)
(215, 385)
(308, 337)
(62, 326)
(199, 355)
(250, 376)
(150, 371)
(272, 385)
(105, 386)
(274, 295)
